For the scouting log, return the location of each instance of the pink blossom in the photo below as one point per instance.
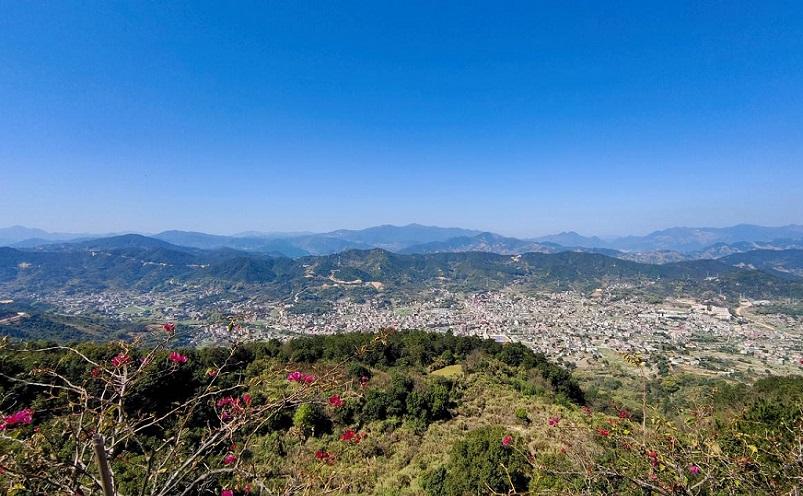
(169, 327)
(229, 406)
(247, 399)
(95, 372)
(228, 400)
(322, 455)
(309, 378)
(226, 492)
(603, 432)
(229, 459)
(121, 359)
(178, 358)
(507, 441)
(295, 376)
(624, 414)
(351, 436)
(336, 401)
(22, 417)
(694, 469)
(553, 421)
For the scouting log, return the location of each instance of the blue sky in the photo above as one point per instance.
(522, 118)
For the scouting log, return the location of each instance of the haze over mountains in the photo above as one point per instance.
(673, 244)
(137, 262)
(769, 262)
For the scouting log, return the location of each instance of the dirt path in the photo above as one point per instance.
(739, 313)
(13, 318)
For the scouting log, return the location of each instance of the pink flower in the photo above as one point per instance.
(247, 399)
(95, 372)
(348, 435)
(624, 414)
(226, 401)
(507, 441)
(229, 406)
(226, 492)
(178, 358)
(229, 459)
(322, 455)
(309, 378)
(169, 327)
(694, 469)
(121, 359)
(22, 417)
(336, 401)
(295, 376)
(553, 421)
(603, 432)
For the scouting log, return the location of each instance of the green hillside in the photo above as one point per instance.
(156, 267)
(381, 414)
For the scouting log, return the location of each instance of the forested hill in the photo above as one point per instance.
(409, 413)
(123, 263)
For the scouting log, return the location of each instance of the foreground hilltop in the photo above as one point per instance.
(377, 414)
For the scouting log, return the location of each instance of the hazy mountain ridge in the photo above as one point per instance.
(120, 262)
(691, 239)
(484, 242)
(666, 246)
(571, 238)
(16, 234)
(395, 238)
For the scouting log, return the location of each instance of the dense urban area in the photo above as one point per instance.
(570, 326)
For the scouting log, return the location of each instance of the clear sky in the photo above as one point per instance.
(521, 118)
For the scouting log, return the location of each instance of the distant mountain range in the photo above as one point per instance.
(145, 263)
(571, 238)
(484, 242)
(669, 245)
(26, 236)
(690, 239)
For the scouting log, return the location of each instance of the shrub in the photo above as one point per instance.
(480, 463)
